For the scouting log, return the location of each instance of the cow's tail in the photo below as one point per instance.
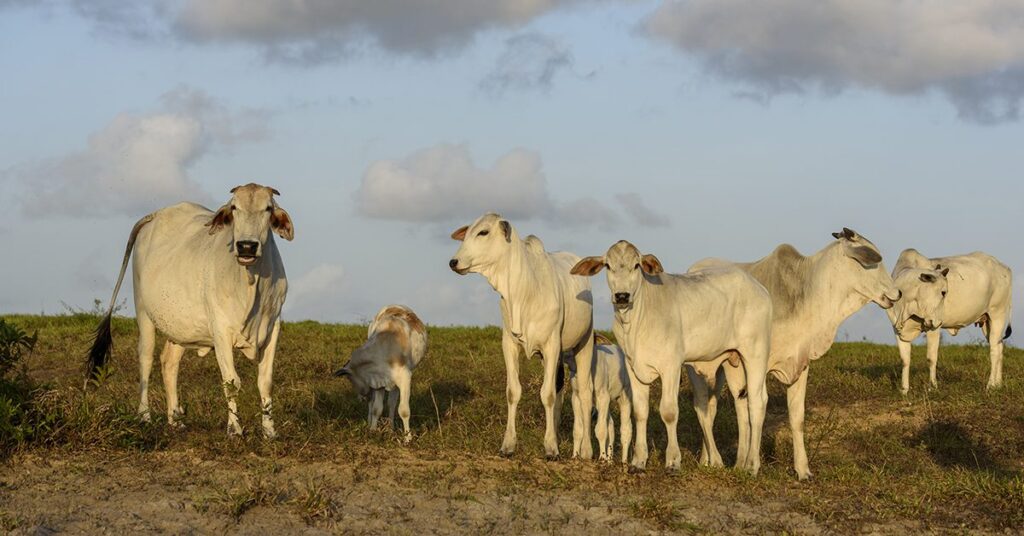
(104, 340)
(1009, 331)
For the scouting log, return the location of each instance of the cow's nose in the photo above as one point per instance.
(621, 297)
(247, 248)
(453, 264)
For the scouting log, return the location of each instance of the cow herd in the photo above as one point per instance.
(215, 281)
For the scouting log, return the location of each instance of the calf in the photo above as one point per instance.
(396, 343)
(612, 382)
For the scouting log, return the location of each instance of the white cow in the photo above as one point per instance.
(979, 292)
(665, 320)
(811, 297)
(396, 343)
(544, 311)
(207, 280)
(612, 382)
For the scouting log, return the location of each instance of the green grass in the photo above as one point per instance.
(948, 458)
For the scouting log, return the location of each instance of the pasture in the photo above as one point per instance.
(76, 460)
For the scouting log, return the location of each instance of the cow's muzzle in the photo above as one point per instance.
(887, 302)
(621, 300)
(246, 251)
(454, 265)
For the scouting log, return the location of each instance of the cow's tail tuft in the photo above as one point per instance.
(99, 353)
(101, 345)
(1009, 331)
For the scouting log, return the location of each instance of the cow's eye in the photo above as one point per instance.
(943, 293)
(637, 267)
(270, 209)
(233, 207)
(483, 233)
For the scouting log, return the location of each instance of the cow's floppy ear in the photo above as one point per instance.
(651, 265)
(588, 266)
(506, 228)
(281, 222)
(220, 218)
(865, 255)
(460, 233)
(926, 277)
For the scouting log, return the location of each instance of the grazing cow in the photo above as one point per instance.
(396, 343)
(979, 288)
(811, 297)
(665, 320)
(544, 311)
(206, 280)
(612, 382)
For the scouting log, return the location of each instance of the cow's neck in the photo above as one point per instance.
(629, 319)
(831, 301)
(512, 273)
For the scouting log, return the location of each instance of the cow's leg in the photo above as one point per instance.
(933, 337)
(756, 368)
(551, 354)
(736, 378)
(670, 415)
(265, 382)
(641, 407)
(905, 351)
(513, 391)
(611, 436)
(404, 382)
(170, 359)
(601, 429)
(393, 397)
(585, 391)
(147, 341)
(229, 380)
(577, 417)
(996, 328)
(376, 408)
(796, 394)
(701, 405)
(625, 425)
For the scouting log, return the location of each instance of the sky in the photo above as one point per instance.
(693, 129)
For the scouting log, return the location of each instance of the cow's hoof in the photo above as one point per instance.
(636, 470)
(672, 470)
(551, 457)
(506, 453)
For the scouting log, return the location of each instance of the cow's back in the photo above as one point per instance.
(978, 283)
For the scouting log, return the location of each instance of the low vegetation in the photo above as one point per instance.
(946, 459)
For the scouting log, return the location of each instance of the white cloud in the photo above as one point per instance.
(639, 212)
(313, 31)
(972, 52)
(442, 184)
(317, 294)
(529, 61)
(138, 162)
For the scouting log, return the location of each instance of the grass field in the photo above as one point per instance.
(950, 459)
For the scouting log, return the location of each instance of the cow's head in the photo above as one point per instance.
(862, 266)
(484, 243)
(626, 270)
(251, 214)
(924, 297)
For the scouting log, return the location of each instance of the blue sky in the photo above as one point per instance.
(694, 129)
